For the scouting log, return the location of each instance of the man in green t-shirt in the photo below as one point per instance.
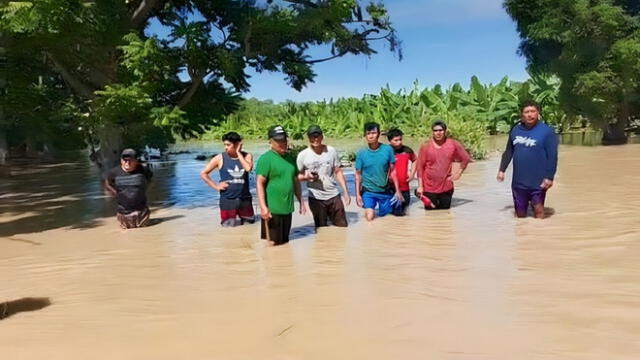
(276, 184)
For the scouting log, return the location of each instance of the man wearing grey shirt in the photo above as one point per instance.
(319, 166)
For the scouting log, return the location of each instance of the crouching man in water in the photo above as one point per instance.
(533, 146)
(234, 166)
(128, 183)
(276, 184)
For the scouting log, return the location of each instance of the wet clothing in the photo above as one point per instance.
(134, 219)
(325, 187)
(535, 155)
(381, 200)
(231, 209)
(332, 209)
(404, 156)
(131, 188)
(234, 174)
(235, 200)
(434, 164)
(523, 197)
(442, 201)
(279, 229)
(280, 172)
(374, 166)
(401, 208)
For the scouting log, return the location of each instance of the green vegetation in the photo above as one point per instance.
(471, 113)
(593, 46)
(90, 72)
(94, 65)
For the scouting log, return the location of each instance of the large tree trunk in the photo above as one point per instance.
(613, 132)
(108, 155)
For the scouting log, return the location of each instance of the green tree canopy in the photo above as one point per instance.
(130, 86)
(593, 46)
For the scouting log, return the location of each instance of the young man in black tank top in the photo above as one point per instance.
(234, 166)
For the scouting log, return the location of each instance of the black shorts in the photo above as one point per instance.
(440, 200)
(332, 209)
(279, 229)
(401, 209)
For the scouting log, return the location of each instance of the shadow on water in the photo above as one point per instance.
(26, 304)
(26, 241)
(455, 202)
(300, 232)
(40, 197)
(156, 221)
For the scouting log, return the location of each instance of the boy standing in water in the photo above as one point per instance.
(128, 183)
(435, 175)
(234, 166)
(405, 157)
(319, 165)
(374, 168)
(533, 145)
(277, 183)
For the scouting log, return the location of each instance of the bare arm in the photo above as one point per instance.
(245, 160)
(298, 192)
(462, 156)
(302, 176)
(358, 186)
(261, 183)
(343, 184)
(204, 174)
(396, 184)
(419, 169)
(414, 170)
(110, 188)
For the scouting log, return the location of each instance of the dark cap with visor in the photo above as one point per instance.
(129, 154)
(277, 133)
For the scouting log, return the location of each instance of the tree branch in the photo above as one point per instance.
(340, 54)
(79, 87)
(308, 3)
(142, 13)
(98, 78)
(247, 42)
(191, 90)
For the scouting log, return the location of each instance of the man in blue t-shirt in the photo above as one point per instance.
(374, 167)
(533, 145)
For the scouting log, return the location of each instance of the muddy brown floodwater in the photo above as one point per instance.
(469, 283)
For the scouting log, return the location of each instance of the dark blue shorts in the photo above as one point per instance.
(523, 197)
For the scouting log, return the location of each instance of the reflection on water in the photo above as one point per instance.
(469, 283)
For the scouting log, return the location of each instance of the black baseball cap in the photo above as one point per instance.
(277, 133)
(314, 130)
(129, 154)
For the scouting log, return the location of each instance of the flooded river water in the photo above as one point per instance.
(469, 283)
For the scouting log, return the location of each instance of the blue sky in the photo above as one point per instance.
(443, 41)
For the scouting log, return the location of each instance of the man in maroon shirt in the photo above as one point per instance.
(435, 175)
